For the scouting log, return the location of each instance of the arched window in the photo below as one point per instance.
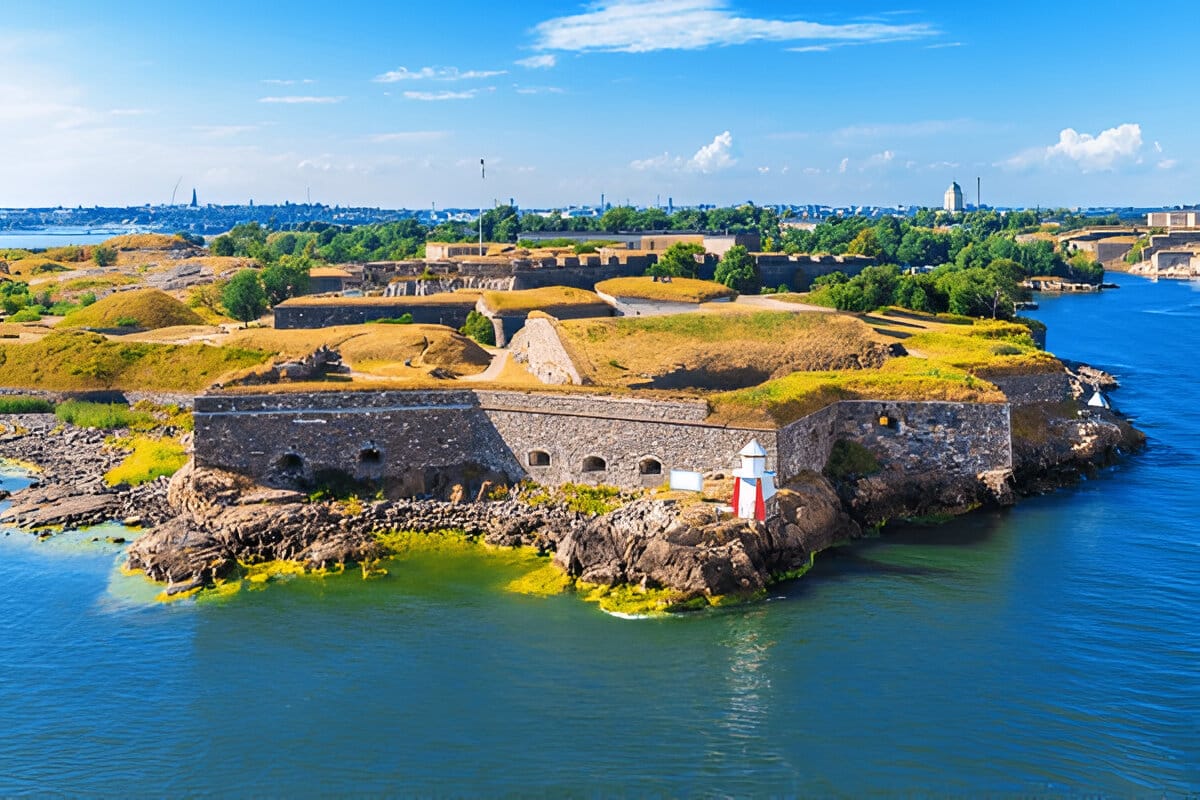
(650, 466)
(594, 464)
(291, 463)
(539, 458)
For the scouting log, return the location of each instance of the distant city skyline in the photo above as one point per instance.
(701, 101)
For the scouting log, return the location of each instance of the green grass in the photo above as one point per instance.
(107, 416)
(549, 297)
(23, 404)
(151, 458)
(986, 348)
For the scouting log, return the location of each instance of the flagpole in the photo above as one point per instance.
(482, 177)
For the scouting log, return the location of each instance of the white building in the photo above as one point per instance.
(954, 199)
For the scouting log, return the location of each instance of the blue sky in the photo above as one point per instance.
(720, 101)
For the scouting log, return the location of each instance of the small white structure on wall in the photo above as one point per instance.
(753, 485)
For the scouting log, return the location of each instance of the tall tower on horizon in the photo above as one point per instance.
(954, 198)
(194, 203)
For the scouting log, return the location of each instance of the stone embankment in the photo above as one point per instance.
(69, 488)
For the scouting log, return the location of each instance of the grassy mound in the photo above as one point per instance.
(678, 290)
(147, 241)
(712, 351)
(151, 458)
(986, 348)
(546, 299)
(150, 308)
(463, 298)
(75, 360)
(375, 349)
(787, 399)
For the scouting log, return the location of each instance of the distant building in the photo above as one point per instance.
(1173, 219)
(954, 199)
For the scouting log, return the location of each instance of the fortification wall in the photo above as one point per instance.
(540, 349)
(1022, 390)
(420, 442)
(806, 443)
(931, 437)
(326, 315)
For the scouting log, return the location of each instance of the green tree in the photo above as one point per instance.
(244, 297)
(738, 270)
(618, 218)
(104, 256)
(288, 277)
(222, 246)
(679, 261)
(479, 327)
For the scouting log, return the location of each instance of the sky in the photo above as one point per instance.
(700, 101)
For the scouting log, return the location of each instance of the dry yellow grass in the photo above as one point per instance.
(546, 299)
(374, 349)
(677, 290)
(146, 241)
(725, 350)
(151, 308)
(179, 334)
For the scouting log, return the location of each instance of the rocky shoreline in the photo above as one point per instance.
(204, 524)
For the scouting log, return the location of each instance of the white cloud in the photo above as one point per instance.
(301, 100)
(544, 61)
(843, 166)
(942, 45)
(714, 156)
(287, 82)
(1103, 152)
(225, 131)
(892, 130)
(435, 74)
(879, 159)
(130, 112)
(1168, 163)
(642, 26)
(1157, 147)
(407, 136)
(436, 96)
(538, 90)
(763, 170)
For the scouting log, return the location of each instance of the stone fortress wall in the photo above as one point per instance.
(419, 442)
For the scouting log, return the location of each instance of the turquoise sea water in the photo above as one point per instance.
(56, 237)
(1049, 650)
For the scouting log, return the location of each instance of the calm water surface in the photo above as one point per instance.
(1048, 650)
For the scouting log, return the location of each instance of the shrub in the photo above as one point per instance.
(107, 416)
(404, 319)
(28, 314)
(22, 404)
(479, 327)
(151, 458)
(850, 459)
(86, 299)
(127, 322)
(104, 256)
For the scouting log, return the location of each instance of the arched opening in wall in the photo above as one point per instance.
(370, 455)
(539, 458)
(649, 466)
(290, 462)
(594, 464)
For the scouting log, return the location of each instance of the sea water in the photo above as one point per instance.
(1048, 650)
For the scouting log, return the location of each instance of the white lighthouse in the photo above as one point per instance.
(753, 485)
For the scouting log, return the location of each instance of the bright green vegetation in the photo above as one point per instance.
(75, 360)
(106, 416)
(986, 348)
(584, 498)
(479, 327)
(678, 261)
(677, 290)
(142, 308)
(21, 404)
(403, 319)
(544, 299)
(244, 297)
(849, 459)
(738, 270)
(151, 458)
